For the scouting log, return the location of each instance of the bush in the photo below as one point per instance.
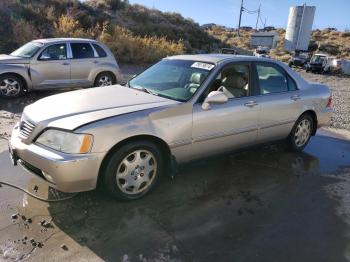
(66, 26)
(129, 48)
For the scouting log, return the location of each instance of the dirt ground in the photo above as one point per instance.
(340, 86)
(264, 204)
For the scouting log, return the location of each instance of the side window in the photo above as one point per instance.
(271, 79)
(291, 84)
(54, 52)
(233, 80)
(99, 50)
(82, 50)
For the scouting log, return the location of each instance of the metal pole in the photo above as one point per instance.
(257, 19)
(240, 17)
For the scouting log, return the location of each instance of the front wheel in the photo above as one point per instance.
(301, 133)
(104, 79)
(11, 86)
(133, 170)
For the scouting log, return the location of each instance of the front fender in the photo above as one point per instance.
(19, 69)
(172, 124)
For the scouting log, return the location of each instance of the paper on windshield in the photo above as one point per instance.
(201, 65)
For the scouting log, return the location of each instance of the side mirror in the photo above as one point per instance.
(214, 97)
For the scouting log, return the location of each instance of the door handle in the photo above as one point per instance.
(95, 62)
(65, 63)
(251, 104)
(295, 97)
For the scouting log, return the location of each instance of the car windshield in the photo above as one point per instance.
(303, 55)
(318, 59)
(27, 50)
(174, 79)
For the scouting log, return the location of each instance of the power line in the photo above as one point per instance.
(251, 12)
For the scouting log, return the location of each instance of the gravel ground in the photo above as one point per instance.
(340, 86)
(10, 110)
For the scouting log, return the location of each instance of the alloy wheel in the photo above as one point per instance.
(105, 81)
(302, 133)
(136, 172)
(10, 87)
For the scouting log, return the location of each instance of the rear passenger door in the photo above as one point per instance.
(84, 59)
(280, 101)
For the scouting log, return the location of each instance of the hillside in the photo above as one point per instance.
(329, 41)
(136, 34)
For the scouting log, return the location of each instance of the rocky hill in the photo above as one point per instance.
(130, 30)
(329, 41)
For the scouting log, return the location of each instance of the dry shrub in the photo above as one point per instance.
(66, 26)
(136, 49)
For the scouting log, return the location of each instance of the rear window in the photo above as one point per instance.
(99, 50)
(82, 50)
(271, 79)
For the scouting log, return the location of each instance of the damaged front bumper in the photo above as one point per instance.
(67, 172)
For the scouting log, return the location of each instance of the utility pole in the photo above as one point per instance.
(257, 19)
(240, 17)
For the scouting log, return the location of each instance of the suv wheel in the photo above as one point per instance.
(133, 170)
(104, 79)
(301, 133)
(11, 86)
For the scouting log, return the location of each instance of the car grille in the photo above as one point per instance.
(26, 128)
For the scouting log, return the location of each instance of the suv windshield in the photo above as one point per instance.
(28, 50)
(175, 79)
(318, 59)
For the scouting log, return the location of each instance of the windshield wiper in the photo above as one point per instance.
(147, 90)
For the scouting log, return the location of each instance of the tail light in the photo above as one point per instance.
(329, 102)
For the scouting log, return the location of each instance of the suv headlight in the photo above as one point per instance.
(66, 142)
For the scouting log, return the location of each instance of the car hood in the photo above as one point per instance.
(7, 59)
(72, 109)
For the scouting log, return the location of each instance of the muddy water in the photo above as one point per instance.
(261, 205)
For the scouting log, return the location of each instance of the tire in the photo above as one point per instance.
(142, 176)
(301, 133)
(11, 86)
(104, 79)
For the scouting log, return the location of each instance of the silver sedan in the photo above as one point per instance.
(181, 109)
(57, 63)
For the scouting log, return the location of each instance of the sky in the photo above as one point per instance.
(329, 13)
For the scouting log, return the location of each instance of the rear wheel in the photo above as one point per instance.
(133, 170)
(301, 133)
(11, 86)
(105, 79)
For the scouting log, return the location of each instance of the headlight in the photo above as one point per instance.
(66, 142)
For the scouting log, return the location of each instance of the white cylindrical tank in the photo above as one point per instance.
(299, 27)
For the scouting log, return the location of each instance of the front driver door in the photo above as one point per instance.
(230, 125)
(51, 69)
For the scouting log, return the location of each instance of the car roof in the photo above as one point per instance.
(217, 58)
(320, 54)
(58, 40)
